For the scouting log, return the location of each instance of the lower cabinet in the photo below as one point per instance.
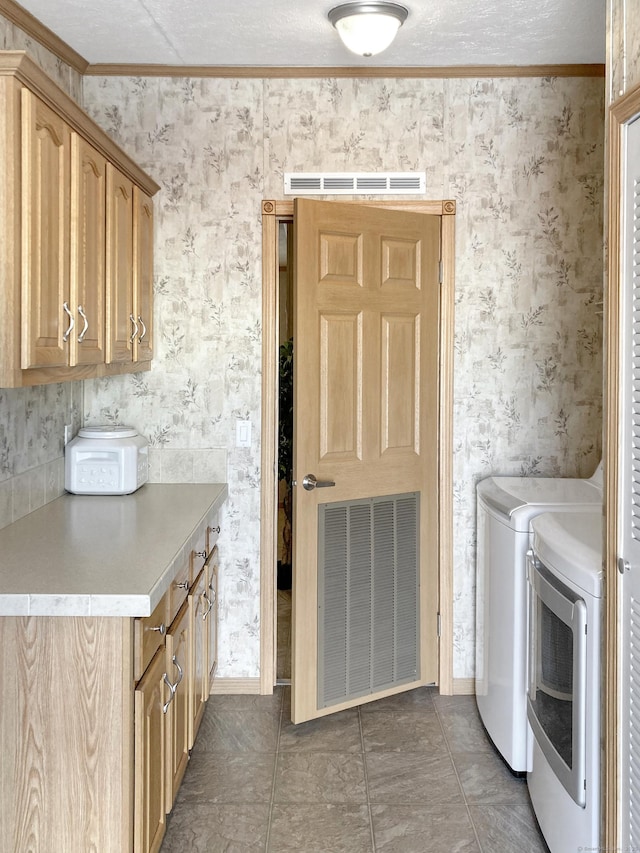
(212, 594)
(97, 718)
(200, 608)
(150, 756)
(173, 687)
(178, 665)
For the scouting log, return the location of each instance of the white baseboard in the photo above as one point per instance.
(235, 685)
(464, 686)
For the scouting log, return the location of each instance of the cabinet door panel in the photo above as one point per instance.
(88, 250)
(119, 294)
(45, 234)
(150, 758)
(143, 275)
(200, 610)
(212, 594)
(177, 666)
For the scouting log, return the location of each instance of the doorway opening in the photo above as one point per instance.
(277, 218)
(285, 450)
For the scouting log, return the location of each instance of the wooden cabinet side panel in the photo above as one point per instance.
(65, 722)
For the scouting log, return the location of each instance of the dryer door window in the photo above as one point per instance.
(557, 676)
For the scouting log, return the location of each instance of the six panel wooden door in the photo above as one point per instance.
(365, 400)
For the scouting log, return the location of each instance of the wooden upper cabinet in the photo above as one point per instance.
(88, 252)
(48, 320)
(121, 327)
(76, 239)
(143, 274)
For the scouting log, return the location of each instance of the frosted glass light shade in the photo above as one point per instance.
(368, 28)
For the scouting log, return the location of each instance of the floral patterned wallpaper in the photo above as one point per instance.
(523, 158)
(32, 420)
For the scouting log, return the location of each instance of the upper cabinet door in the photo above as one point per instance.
(143, 275)
(47, 317)
(88, 252)
(122, 326)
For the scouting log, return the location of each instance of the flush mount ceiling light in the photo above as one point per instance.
(368, 28)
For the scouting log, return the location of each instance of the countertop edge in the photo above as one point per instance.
(124, 604)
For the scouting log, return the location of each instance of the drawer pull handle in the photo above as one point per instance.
(209, 606)
(215, 529)
(72, 322)
(162, 628)
(135, 329)
(182, 585)
(144, 329)
(202, 554)
(86, 324)
(172, 693)
(174, 659)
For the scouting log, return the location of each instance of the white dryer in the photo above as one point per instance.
(563, 697)
(506, 506)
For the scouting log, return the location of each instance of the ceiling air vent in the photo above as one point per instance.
(354, 183)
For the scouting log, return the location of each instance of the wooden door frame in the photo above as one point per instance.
(621, 113)
(273, 212)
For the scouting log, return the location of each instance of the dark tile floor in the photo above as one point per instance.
(411, 774)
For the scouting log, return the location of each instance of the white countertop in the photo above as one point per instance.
(89, 555)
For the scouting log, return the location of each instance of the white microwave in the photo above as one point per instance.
(106, 460)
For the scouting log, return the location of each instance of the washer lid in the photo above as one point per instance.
(107, 431)
(570, 545)
(519, 499)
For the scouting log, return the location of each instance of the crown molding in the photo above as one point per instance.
(46, 37)
(304, 71)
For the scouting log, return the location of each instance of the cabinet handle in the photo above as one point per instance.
(215, 529)
(86, 324)
(182, 585)
(180, 672)
(202, 554)
(172, 693)
(144, 329)
(161, 627)
(135, 329)
(210, 606)
(72, 322)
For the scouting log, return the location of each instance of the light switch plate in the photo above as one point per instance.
(243, 433)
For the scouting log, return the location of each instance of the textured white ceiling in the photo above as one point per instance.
(281, 32)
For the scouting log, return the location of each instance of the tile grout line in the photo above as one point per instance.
(273, 779)
(366, 779)
(455, 770)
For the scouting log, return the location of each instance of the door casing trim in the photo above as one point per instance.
(273, 212)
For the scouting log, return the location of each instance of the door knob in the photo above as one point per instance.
(310, 482)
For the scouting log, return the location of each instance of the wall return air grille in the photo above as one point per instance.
(354, 183)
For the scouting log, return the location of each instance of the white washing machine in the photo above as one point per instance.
(506, 506)
(563, 696)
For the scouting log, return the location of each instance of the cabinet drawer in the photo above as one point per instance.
(149, 634)
(178, 590)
